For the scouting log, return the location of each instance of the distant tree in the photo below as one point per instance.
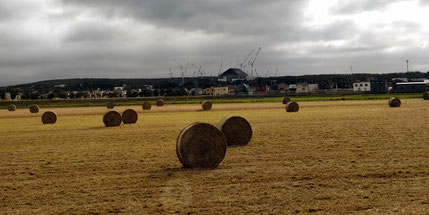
(132, 94)
(145, 93)
(62, 95)
(34, 95)
(51, 95)
(79, 95)
(155, 93)
(111, 95)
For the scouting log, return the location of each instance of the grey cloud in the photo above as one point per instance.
(225, 16)
(90, 32)
(106, 38)
(4, 13)
(424, 2)
(358, 6)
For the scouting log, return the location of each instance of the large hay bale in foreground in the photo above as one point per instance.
(426, 96)
(237, 130)
(160, 103)
(286, 100)
(49, 117)
(34, 108)
(110, 105)
(146, 106)
(11, 107)
(292, 107)
(206, 105)
(201, 145)
(394, 102)
(129, 116)
(112, 118)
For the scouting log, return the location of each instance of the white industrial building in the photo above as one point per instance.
(362, 87)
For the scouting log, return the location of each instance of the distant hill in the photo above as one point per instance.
(188, 82)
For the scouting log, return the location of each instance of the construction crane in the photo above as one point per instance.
(243, 64)
(181, 70)
(267, 73)
(252, 61)
(220, 68)
(257, 75)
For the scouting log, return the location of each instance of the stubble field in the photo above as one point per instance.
(337, 157)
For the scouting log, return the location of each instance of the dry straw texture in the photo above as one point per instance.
(236, 129)
(160, 103)
(286, 100)
(49, 117)
(394, 102)
(110, 105)
(201, 145)
(206, 105)
(146, 106)
(112, 118)
(34, 109)
(11, 107)
(129, 116)
(292, 107)
(426, 96)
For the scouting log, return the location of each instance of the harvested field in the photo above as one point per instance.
(340, 157)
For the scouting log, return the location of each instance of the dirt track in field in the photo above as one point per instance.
(342, 157)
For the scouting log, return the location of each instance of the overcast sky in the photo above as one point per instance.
(53, 39)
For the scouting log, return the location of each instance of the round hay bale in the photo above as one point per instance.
(11, 107)
(394, 102)
(237, 130)
(129, 116)
(206, 105)
(201, 145)
(286, 100)
(112, 118)
(110, 105)
(49, 117)
(146, 106)
(426, 96)
(160, 103)
(34, 109)
(292, 107)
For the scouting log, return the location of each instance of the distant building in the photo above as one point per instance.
(283, 88)
(343, 86)
(196, 91)
(262, 89)
(208, 91)
(362, 87)
(411, 87)
(379, 87)
(233, 74)
(219, 91)
(400, 79)
(302, 88)
(313, 87)
(216, 91)
(8, 97)
(292, 88)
